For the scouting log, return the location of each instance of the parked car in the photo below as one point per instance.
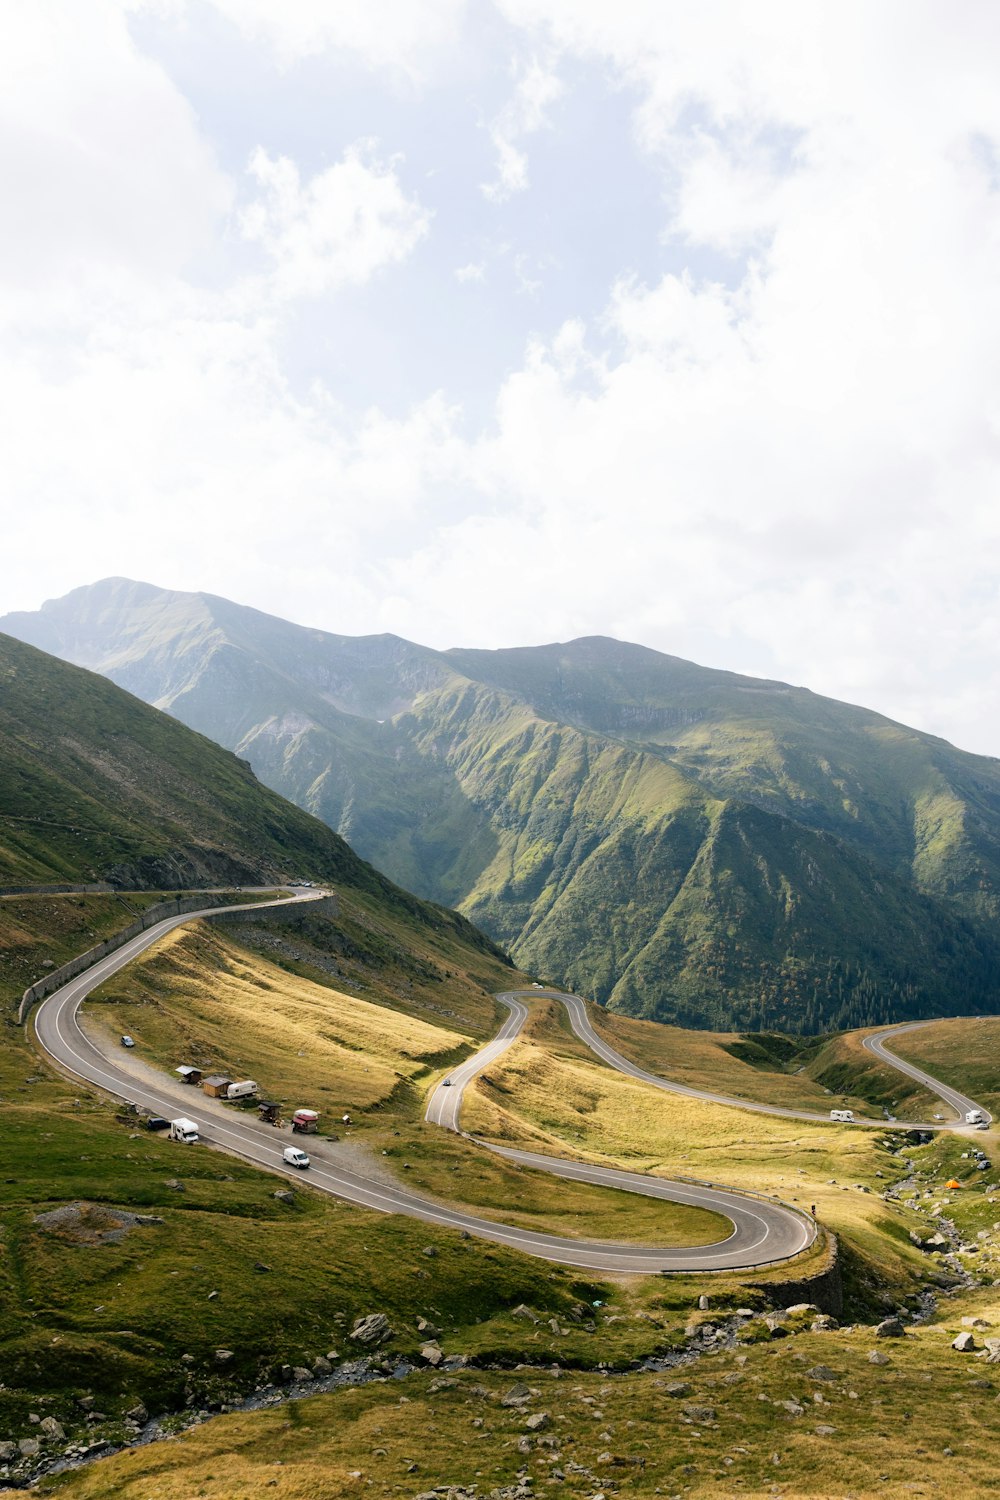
(293, 1156)
(128, 1041)
(157, 1122)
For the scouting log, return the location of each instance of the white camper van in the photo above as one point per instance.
(845, 1116)
(184, 1130)
(241, 1090)
(974, 1117)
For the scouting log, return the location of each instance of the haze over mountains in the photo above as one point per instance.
(676, 841)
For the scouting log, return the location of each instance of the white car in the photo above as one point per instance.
(294, 1157)
(128, 1041)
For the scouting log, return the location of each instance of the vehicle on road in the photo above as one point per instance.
(293, 1156)
(845, 1116)
(157, 1122)
(446, 1083)
(983, 1125)
(185, 1131)
(974, 1117)
(128, 1041)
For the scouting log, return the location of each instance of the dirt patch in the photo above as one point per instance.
(90, 1223)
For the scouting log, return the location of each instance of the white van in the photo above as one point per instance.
(184, 1130)
(293, 1157)
(845, 1116)
(974, 1116)
(241, 1090)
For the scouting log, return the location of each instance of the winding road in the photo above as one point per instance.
(764, 1230)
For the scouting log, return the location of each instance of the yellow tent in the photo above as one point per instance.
(952, 1184)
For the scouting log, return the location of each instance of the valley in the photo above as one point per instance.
(680, 843)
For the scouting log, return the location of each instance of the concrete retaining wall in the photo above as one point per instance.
(824, 1287)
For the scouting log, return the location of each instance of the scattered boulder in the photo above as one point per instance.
(428, 1330)
(371, 1330)
(53, 1429)
(676, 1388)
(824, 1323)
(798, 1308)
(975, 1323)
(821, 1372)
(8, 1453)
(876, 1357)
(300, 1373)
(890, 1328)
(431, 1353)
(223, 1356)
(137, 1413)
(517, 1395)
(524, 1314)
(322, 1367)
(537, 1421)
(29, 1447)
(699, 1413)
(702, 1303)
(964, 1343)
(283, 1196)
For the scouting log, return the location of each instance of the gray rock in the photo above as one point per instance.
(517, 1394)
(524, 1314)
(890, 1328)
(700, 1413)
(53, 1429)
(322, 1366)
(175, 1185)
(703, 1303)
(8, 1452)
(29, 1447)
(283, 1196)
(428, 1330)
(801, 1307)
(965, 1343)
(372, 1330)
(824, 1323)
(824, 1431)
(792, 1407)
(138, 1413)
(876, 1357)
(821, 1372)
(429, 1250)
(223, 1356)
(300, 1373)
(676, 1388)
(431, 1354)
(537, 1421)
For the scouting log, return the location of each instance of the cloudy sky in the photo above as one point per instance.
(504, 321)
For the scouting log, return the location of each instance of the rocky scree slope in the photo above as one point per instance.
(676, 841)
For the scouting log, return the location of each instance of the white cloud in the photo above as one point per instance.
(406, 35)
(527, 111)
(475, 270)
(338, 229)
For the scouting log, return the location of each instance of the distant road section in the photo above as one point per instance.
(960, 1103)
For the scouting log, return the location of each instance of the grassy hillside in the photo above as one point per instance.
(681, 843)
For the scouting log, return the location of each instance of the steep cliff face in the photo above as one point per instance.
(674, 840)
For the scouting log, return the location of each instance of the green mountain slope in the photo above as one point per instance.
(95, 785)
(677, 841)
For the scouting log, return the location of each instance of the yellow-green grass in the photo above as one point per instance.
(923, 1423)
(386, 954)
(834, 1074)
(963, 1052)
(452, 1170)
(202, 997)
(48, 930)
(565, 1105)
(198, 997)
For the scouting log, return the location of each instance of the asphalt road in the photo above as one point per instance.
(960, 1103)
(580, 1022)
(762, 1230)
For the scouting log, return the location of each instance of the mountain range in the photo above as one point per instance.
(678, 842)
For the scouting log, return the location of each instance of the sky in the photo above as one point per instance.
(495, 322)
